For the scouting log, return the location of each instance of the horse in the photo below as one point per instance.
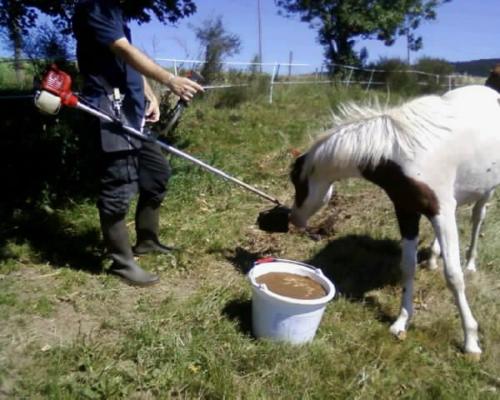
(429, 155)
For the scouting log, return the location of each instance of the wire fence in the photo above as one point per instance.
(234, 74)
(282, 74)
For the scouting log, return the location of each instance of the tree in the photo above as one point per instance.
(217, 44)
(341, 22)
(418, 11)
(15, 20)
(46, 45)
(166, 11)
(17, 16)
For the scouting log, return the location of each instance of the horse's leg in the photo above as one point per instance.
(435, 253)
(408, 226)
(445, 227)
(478, 214)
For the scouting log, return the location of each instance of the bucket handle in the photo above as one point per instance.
(272, 259)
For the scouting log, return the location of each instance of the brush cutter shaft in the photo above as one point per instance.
(136, 133)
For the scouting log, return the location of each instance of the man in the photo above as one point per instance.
(108, 61)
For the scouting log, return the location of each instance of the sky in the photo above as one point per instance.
(464, 30)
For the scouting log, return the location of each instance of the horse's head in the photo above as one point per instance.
(311, 191)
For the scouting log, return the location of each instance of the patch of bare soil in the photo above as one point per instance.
(91, 311)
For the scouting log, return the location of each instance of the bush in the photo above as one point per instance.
(45, 159)
(9, 79)
(396, 76)
(439, 69)
(46, 46)
(247, 88)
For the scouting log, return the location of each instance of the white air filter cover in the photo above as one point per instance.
(47, 102)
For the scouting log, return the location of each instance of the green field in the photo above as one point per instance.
(69, 331)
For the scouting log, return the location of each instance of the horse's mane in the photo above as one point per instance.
(365, 135)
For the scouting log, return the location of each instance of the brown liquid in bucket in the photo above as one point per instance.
(292, 285)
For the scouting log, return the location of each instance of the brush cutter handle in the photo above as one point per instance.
(176, 112)
(174, 115)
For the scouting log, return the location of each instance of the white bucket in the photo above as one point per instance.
(284, 318)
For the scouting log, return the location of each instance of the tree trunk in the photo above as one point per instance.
(18, 67)
(16, 41)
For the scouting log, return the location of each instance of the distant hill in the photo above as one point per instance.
(476, 67)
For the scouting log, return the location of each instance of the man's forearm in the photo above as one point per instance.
(183, 87)
(140, 62)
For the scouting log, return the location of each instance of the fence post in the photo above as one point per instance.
(370, 80)
(349, 78)
(175, 67)
(271, 86)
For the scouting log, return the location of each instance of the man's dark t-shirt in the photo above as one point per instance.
(97, 24)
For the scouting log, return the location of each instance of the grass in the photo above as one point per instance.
(69, 331)
(10, 80)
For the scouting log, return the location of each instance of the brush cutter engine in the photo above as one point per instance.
(55, 90)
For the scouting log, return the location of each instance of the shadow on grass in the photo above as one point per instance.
(52, 239)
(240, 311)
(358, 264)
(243, 259)
(46, 161)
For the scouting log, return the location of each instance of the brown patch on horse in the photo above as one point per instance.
(493, 80)
(408, 195)
(301, 186)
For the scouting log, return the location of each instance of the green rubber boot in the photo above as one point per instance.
(116, 239)
(147, 224)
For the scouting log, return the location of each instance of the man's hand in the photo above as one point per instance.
(185, 88)
(153, 111)
(153, 107)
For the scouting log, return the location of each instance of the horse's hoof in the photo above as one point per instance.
(470, 269)
(473, 357)
(432, 265)
(399, 334)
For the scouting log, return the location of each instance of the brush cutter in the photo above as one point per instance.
(55, 91)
